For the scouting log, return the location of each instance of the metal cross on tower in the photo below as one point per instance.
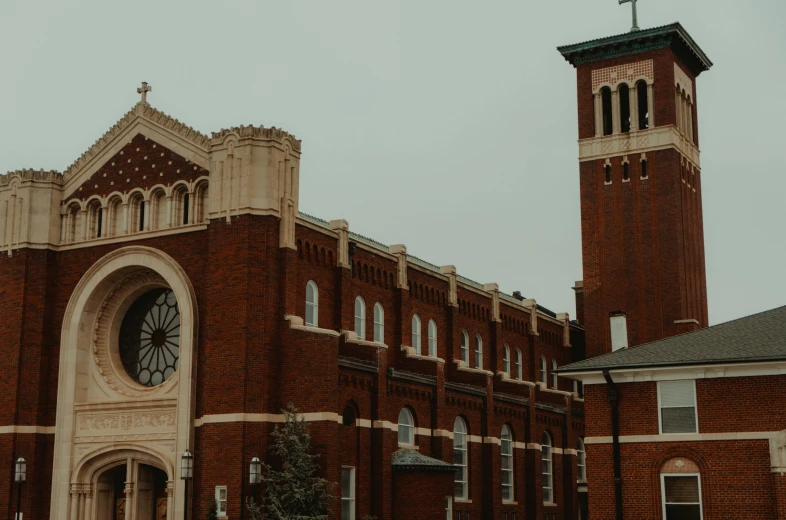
(144, 89)
(635, 17)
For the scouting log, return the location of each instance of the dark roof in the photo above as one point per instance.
(673, 35)
(408, 459)
(753, 339)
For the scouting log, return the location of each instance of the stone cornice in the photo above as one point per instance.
(637, 142)
(256, 132)
(52, 176)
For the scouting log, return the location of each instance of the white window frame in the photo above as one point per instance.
(543, 375)
(660, 415)
(432, 338)
(416, 333)
(548, 484)
(663, 490)
(360, 317)
(219, 501)
(379, 323)
(409, 440)
(312, 304)
(581, 461)
(554, 380)
(463, 468)
(506, 359)
(509, 455)
(465, 347)
(478, 352)
(351, 498)
(519, 374)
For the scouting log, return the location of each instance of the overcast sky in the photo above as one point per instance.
(446, 125)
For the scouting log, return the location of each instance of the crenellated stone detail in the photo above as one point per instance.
(23, 175)
(256, 132)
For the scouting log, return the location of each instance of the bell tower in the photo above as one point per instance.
(640, 177)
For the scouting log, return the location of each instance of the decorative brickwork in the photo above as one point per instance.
(629, 73)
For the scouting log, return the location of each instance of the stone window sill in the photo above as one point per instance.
(462, 501)
(464, 368)
(350, 336)
(296, 323)
(410, 353)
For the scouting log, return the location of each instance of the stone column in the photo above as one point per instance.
(129, 489)
(598, 114)
(125, 218)
(633, 98)
(82, 494)
(650, 106)
(83, 224)
(74, 506)
(169, 212)
(191, 207)
(88, 514)
(104, 219)
(170, 506)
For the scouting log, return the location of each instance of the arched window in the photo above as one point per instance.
(348, 417)
(95, 220)
(554, 382)
(186, 208)
(624, 95)
(432, 338)
(605, 97)
(416, 333)
(406, 428)
(312, 304)
(681, 489)
(200, 202)
(465, 347)
(116, 223)
(548, 486)
(644, 106)
(506, 451)
(158, 210)
(543, 378)
(137, 214)
(379, 323)
(478, 351)
(181, 199)
(506, 359)
(581, 461)
(360, 318)
(519, 375)
(460, 458)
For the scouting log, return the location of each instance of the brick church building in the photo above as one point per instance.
(165, 293)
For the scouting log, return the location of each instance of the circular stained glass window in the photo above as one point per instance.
(150, 338)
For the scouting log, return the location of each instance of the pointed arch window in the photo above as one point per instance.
(546, 467)
(416, 333)
(379, 323)
(465, 347)
(360, 318)
(543, 375)
(478, 351)
(406, 428)
(554, 381)
(506, 451)
(432, 338)
(312, 304)
(519, 375)
(460, 458)
(506, 359)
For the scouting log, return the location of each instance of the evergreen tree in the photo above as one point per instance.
(294, 492)
(212, 513)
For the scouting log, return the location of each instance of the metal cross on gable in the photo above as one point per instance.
(144, 89)
(635, 17)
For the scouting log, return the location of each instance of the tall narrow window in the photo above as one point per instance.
(141, 223)
(312, 304)
(677, 403)
(460, 458)
(465, 347)
(519, 375)
(347, 493)
(625, 171)
(506, 359)
(416, 333)
(221, 500)
(360, 318)
(608, 125)
(543, 378)
(644, 168)
(681, 496)
(506, 451)
(406, 428)
(624, 95)
(644, 105)
(581, 461)
(607, 173)
(186, 200)
(578, 388)
(554, 382)
(379, 323)
(432, 338)
(548, 487)
(99, 222)
(478, 351)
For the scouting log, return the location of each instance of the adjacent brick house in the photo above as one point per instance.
(692, 426)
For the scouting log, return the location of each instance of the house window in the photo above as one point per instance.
(478, 351)
(677, 406)
(608, 126)
(312, 304)
(681, 496)
(581, 461)
(432, 338)
(543, 375)
(221, 500)
(465, 347)
(548, 489)
(360, 318)
(506, 360)
(460, 458)
(554, 382)
(347, 493)
(379, 323)
(506, 451)
(406, 428)
(416, 333)
(519, 375)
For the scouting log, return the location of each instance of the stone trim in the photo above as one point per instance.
(638, 141)
(684, 437)
(31, 430)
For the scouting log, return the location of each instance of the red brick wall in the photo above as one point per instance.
(411, 501)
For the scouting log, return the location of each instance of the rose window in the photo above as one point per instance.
(150, 338)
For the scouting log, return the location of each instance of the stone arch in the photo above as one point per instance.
(76, 364)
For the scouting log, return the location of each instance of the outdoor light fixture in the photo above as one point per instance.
(20, 477)
(255, 472)
(186, 474)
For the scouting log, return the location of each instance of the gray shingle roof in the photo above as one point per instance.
(756, 338)
(407, 459)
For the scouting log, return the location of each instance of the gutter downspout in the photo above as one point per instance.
(614, 397)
